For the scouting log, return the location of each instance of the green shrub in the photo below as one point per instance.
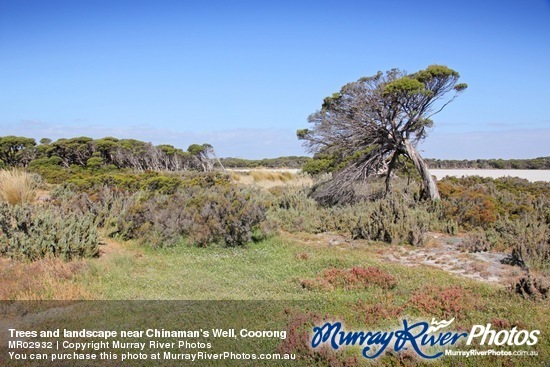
(94, 163)
(393, 219)
(219, 214)
(34, 232)
(153, 181)
(528, 239)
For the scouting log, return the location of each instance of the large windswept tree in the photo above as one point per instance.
(376, 120)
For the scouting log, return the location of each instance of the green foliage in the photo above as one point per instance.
(152, 181)
(225, 215)
(280, 162)
(200, 209)
(94, 163)
(34, 232)
(107, 152)
(16, 150)
(528, 237)
(317, 166)
(404, 85)
(392, 219)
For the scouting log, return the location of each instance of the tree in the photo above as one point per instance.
(203, 156)
(17, 150)
(372, 122)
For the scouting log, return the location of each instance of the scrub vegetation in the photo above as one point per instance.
(120, 219)
(217, 236)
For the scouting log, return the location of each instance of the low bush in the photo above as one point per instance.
(219, 214)
(531, 287)
(393, 219)
(475, 241)
(528, 238)
(470, 206)
(34, 232)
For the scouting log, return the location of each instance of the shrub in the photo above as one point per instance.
(219, 214)
(475, 241)
(35, 232)
(528, 237)
(293, 211)
(17, 187)
(317, 166)
(225, 214)
(470, 206)
(94, 163)
(201, 209)
(532, 287)
(393, 219)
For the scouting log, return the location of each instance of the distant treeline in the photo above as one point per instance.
(111, 153)
(281, 162)
(534, 163)
(300, 161)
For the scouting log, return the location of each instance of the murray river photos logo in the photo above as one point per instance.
(417, 336)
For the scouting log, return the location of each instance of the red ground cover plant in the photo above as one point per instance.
(371, 314)
(445, 302)
(357, 277)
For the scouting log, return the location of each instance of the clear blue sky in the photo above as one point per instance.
(244, 75)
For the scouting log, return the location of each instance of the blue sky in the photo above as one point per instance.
(244, 75)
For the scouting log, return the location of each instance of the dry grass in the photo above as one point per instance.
(266, 179)
(271, 176)
(46, 279)
(17, 187)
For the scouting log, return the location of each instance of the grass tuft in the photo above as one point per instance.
(17, 187)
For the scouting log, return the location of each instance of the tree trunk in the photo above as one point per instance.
(422, 168)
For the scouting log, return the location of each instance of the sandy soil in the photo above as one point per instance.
(443, 252)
